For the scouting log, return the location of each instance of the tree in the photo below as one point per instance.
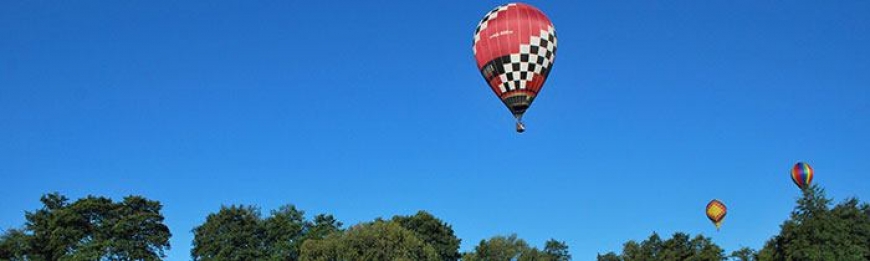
(375, 241)
(646, 250)
(817, 232)
(703, 249)
(14, 245)
(434, 232)
(851, 228)
(138, 230)
(609, 257)
(745, 254)
(322, 249)
(678, 247)
(49, 236)
(234, 233)
(557, 250)
(508, 248)
(322, 226)
(240, 233)
(92, 228)
(283, 233)
(631, 251)
(498, 248)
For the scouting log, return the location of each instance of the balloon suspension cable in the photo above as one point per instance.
(520, 126)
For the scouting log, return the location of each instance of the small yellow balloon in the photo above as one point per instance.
(716, 212)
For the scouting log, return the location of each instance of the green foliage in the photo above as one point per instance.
(744, 254)
(96, 228)
(609, 257)
(501, 248)
(92, 228)
(240, 233)
(817, 232)
(322, 226)
(234, 233)
(139, 232)
(14, 244)
(434, 232)
(283, 231)
(557, 250)
(498, 248)
(323, 249)
(375, 241)
(679, 247)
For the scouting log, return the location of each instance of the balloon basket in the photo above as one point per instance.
(521, 127)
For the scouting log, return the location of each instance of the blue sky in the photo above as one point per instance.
(375, 108)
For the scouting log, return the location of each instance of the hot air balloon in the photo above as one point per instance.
(802, 175)
(514, 46)
(716, 212)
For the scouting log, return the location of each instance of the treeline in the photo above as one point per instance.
(815, 231)
(241, 233)
(97, 228)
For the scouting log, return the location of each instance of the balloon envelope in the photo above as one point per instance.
(716, 212)
(514, 46)
(802, 175)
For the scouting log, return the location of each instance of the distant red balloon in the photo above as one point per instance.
(514, 46)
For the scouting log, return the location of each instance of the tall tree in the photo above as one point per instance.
(557, 250)
(91, 228)
(632, 251)
(646, 250)
(49, 235)
(434, 232)
(703, 249)
(817, 232)
(234, 233)
(322, 226)
(283, 233)
(139, 225)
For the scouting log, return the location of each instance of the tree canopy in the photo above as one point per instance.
(91, 228)
(508, 248)
(680, 246)
(433, 231)
(98, 228)
(378, 240)
(240, 233)
(816, 231)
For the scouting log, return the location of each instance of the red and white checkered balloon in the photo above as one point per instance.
(514, 46)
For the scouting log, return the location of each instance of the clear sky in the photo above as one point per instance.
(370, 109)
